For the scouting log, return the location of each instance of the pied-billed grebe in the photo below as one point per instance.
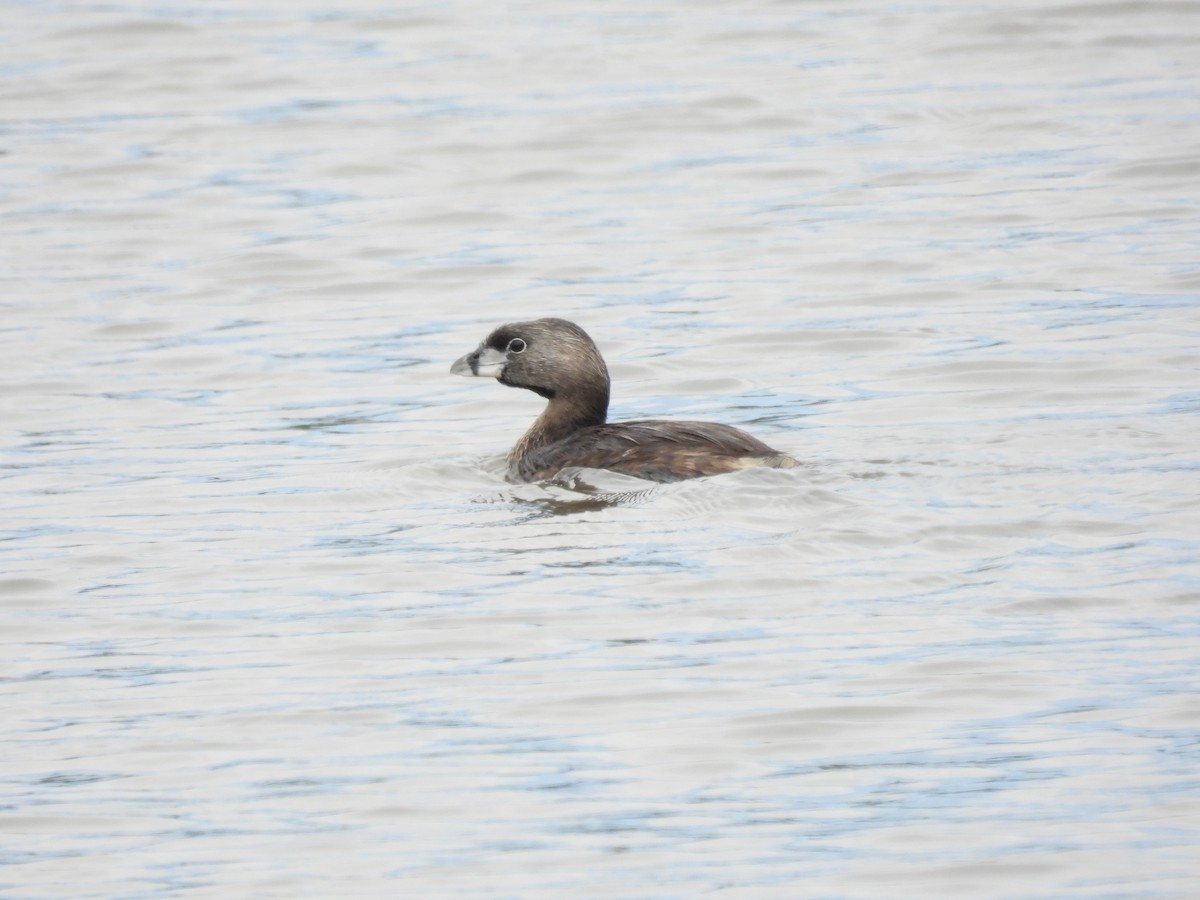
(556, 359)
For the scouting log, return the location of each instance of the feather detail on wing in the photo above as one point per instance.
(658, 450)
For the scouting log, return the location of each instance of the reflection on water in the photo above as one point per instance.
(274, 623)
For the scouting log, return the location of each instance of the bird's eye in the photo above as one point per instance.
(516, 345)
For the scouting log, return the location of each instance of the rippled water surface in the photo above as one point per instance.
(274, 624)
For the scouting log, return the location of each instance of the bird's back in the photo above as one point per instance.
(653, 449)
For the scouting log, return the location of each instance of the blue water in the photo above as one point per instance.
(275, 624)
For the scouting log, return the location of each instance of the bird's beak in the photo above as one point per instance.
(484, 362)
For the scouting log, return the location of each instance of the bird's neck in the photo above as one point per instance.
(564, 415)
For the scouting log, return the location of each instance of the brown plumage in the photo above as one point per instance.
(557, 360)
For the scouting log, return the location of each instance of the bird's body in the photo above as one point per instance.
(559, 361)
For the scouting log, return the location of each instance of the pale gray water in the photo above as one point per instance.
(274, 625)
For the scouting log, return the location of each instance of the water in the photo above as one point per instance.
(273, 623)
